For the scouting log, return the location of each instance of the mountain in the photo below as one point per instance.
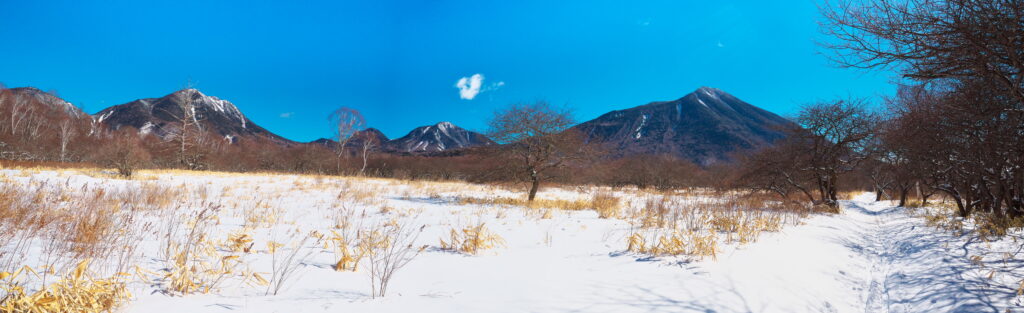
(47, 99)
(442, 136)
(160, 116)
(357, 140)
(704, 126)
(375, 136)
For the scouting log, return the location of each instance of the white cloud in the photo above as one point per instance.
(720, 45)
(287, 114)
(469, 87)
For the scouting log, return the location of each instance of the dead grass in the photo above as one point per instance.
(674, 243)
(76, 291)
(670, 225)
(472, 239)
(606, 204)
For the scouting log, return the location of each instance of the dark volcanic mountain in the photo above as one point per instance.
(159, 116)
(442, 136)
(703, 126)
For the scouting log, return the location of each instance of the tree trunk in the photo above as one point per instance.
(366, 149)
(903, 196)
(534, 185)
(961, 208)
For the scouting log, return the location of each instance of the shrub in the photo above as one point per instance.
(285, 262)
(390, 248)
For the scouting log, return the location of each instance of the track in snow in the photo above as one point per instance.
(914, 268)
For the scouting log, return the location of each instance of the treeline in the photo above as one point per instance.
(955, 126)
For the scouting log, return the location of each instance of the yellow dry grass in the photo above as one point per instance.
(472, 239)
(76, 291)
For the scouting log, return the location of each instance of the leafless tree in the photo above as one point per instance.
(19, 111)
(931, 39)
(960, 126)
(125, 152)
(369, 143)
(538, 137)
(190, 127)
(776, 169)
(961, 141)
(66, 133)
(835, 133)
(346, 123)
(829, 141)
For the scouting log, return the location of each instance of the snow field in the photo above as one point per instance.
(273, 243)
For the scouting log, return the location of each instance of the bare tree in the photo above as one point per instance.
(962, 128)
(961, 141)
(66, 132)
(835, 134)
(830, 141)
(369, 142)
(931, 39)
(126, 153)
(190, 129)
(20, 110)
(346, 122)
(538, 136)
(777, 169)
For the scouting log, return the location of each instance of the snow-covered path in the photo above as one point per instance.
(913, 268)
(870, 258)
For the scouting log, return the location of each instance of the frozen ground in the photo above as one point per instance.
(870, 258)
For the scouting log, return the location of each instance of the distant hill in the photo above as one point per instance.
(423, 140)
(439, 137)
(357, 140)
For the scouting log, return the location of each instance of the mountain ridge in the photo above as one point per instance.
(704, 126)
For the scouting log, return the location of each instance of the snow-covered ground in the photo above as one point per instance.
(870, 258)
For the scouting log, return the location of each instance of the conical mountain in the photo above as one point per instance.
(705, 127)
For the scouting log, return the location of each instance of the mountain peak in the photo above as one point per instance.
(435, 138)
(709, 91)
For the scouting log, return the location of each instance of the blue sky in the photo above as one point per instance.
(288, 65)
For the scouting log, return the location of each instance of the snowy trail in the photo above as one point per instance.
(915, 268)
(870, 258)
